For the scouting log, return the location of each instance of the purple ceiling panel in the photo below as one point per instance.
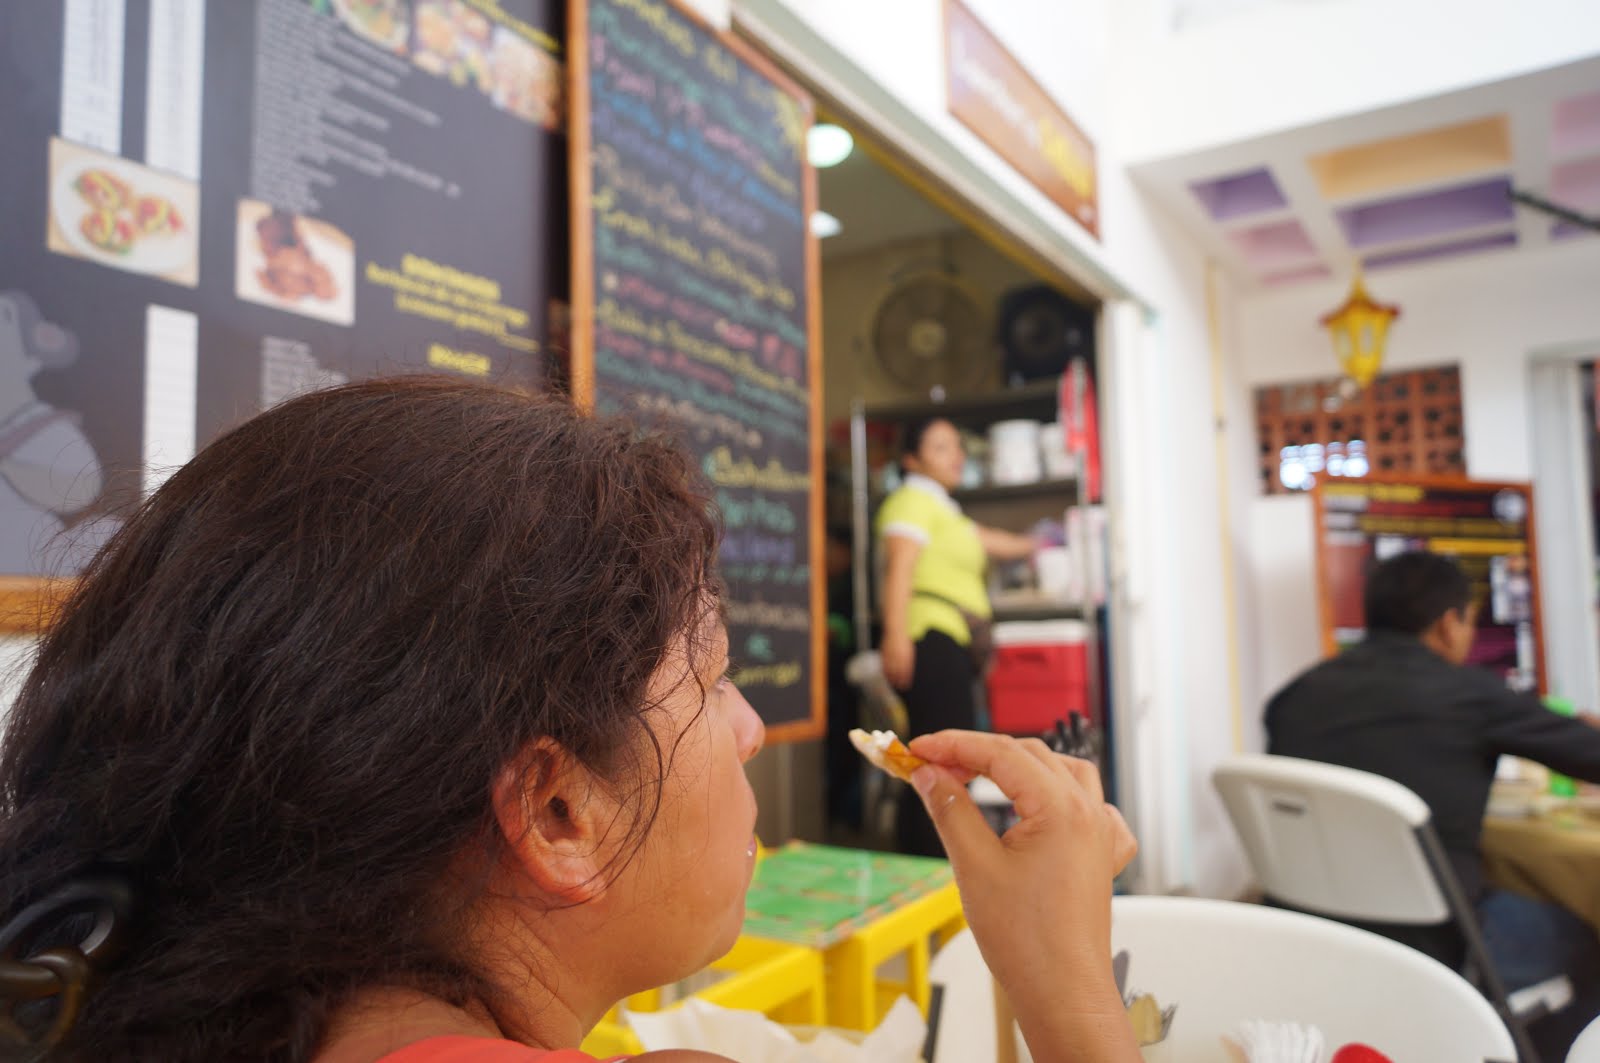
(1417, 217)
(1275, 246)
(1239, 195)
(1445, 250)
(1576, 128)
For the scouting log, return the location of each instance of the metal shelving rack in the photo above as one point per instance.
(1040, 400)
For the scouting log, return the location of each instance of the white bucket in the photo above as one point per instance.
(1014, 453)
(1053, 567)
(1059, 464)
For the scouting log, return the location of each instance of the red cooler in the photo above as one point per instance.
(1040, 675)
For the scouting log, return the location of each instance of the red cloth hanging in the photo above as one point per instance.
(1081, 437)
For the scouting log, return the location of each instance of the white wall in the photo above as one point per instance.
(1490, 315)
(715, 12)
(1067, 47)
(1063, 44)
(1197, 571)
(1281, 65)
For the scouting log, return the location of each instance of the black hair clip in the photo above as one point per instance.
(35, 967)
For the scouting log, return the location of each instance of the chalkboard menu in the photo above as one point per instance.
(1487, 528)
(695, 305)
(210, 207)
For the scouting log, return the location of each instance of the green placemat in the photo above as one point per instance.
(818, 895)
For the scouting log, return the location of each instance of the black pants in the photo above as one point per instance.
(941, 697)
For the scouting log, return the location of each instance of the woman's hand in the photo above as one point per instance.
(1039, 897)
(1001, 545)
(899, 660)
(899, 657)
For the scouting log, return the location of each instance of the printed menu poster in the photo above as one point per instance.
(1486, 527)
(694, 306)
(210, 206)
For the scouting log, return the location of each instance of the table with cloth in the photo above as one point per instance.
(1552, 855)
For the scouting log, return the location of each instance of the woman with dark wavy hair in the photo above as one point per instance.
(397, 727)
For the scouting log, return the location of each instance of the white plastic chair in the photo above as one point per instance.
(1222, 963)
(1349, 844)
(1586, 1049)
(964, 1019)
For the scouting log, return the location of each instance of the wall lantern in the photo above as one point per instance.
(1359, 329)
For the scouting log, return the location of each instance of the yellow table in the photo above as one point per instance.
(821, 922)
(1553, 857)
(857, 997)
(859, 909)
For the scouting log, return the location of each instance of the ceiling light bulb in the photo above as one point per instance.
(824, 225)
(828, 145)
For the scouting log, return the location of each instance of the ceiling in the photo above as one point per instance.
(1185, 14)
(874, 207)
(1396, 188)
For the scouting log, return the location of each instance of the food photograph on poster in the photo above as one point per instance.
(114, 212)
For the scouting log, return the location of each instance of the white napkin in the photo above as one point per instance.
(751, 1037)
(1280, 1042)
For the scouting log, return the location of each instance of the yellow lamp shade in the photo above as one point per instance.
(1359, 330)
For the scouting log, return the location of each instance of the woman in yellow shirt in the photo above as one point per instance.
(935, 557)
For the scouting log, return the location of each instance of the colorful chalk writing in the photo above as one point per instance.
(696, 203)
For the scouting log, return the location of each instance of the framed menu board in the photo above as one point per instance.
(209, 207)
(1486, 527)
(695, 306)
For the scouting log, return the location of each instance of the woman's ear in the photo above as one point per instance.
(557, 821)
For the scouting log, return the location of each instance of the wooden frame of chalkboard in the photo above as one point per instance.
(29, 603)
(1326, 592)
(691, 42)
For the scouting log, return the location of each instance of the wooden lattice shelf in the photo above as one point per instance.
(1408, 422)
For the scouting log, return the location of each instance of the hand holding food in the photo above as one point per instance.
(899, 661)
(1039, 897)
(886, 752)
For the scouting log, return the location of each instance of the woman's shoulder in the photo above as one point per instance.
(909, 504)
(480, 1050)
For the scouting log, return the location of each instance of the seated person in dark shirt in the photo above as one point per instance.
(1403, 705)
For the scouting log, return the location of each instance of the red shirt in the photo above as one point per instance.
(459, 1049)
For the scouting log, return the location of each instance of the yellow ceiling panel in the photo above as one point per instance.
(1434, 155)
